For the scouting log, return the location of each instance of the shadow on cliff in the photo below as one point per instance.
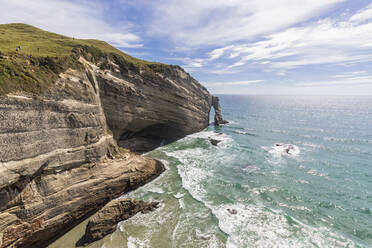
(9, 194)
(150, 109)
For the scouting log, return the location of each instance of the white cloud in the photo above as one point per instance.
(248, 82)
(351, 74)
(196, 23)
(225, 71)
(367, 80)
(327, 41)
(363, 15)
(83, 19)
(217, 53)
(192, 64)
(126, 40)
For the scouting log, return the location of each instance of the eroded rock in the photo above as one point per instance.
(56, 163)
(214, 141)
(105, 221)
(59, 162)
(147, 109)
(218, 120)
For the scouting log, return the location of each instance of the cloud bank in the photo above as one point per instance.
(327, 41)
(196, 23)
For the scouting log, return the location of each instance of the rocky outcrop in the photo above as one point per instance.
(145, 109)
(105, 221)
(218, 120)
(50, 204)
(59, 162)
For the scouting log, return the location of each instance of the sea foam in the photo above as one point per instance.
(252, 224)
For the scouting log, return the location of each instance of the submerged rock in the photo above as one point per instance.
(214, 141)
(285, 149)
(232, 211)
(105, 221)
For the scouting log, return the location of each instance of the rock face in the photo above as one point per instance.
(146, 109)
(218, 116)
(59, 162)
(105, 221)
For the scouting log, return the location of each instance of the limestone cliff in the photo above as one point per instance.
(145, 109)
(60, 123)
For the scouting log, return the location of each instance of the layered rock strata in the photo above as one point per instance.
(105, 221)
(145, 109)
(59, 162)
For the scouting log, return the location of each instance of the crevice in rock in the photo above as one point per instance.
(148, 138)
(91, 80)
(9, 194)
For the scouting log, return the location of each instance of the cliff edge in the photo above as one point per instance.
(65, 104)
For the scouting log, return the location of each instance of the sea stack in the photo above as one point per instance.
(218, 120)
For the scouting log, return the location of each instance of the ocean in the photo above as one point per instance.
(289, 171)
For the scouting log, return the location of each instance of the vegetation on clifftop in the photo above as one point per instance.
(44, 55)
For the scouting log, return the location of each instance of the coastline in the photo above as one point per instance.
(77, 231)
(136, 169)
(180, 221)
(66, 144)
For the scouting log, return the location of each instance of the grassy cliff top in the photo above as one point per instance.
(44, 55)
(50, 44)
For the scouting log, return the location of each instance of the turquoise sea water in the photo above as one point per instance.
(317, 193)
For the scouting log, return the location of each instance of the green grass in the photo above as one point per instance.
(27, 73)
(44, 55)
(51, 44)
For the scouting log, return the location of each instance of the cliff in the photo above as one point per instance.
(65, 104)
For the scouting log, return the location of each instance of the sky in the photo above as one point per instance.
(270, 47)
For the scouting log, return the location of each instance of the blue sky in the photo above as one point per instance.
(231, 46)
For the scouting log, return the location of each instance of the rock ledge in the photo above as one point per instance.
(105, 221)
